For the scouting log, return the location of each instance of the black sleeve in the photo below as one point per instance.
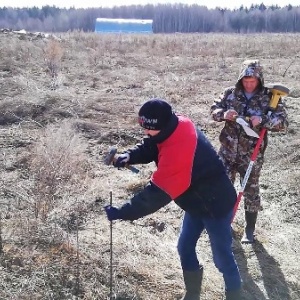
(143, 153)
(146, 202)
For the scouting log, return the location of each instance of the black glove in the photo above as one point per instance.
(112, 212)
(121, 160)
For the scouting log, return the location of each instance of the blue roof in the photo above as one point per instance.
(123, 25)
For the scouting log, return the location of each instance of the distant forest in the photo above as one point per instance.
(167, 18)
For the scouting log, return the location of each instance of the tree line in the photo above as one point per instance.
(167, 18)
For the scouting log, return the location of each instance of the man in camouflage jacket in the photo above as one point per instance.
(250, 99)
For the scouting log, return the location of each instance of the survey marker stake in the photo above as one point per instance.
(111, 254)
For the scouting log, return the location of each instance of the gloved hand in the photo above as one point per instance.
(112, 212)
(230, 115)
(121, 160)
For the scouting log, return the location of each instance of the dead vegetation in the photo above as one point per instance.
(54, 131)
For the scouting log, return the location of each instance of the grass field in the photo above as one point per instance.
(64, 103)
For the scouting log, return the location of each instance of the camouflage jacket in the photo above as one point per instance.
(232, 137)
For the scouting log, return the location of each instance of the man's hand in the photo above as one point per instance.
(255, 120)
(230, 115)
(112, 212)
(121, 160)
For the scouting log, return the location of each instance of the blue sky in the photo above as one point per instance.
(94, 3)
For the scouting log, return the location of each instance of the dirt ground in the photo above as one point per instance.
(65, 102)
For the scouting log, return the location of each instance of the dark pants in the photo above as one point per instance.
(219, 231)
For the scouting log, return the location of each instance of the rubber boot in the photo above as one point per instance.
(193, 282)
(248, 237)
(233, 295)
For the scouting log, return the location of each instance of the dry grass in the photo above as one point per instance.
(54, 132)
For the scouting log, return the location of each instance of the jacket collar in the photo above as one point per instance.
(167, 131)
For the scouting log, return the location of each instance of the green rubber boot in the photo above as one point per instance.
(233, 295)
(193, 282)
(248, 237)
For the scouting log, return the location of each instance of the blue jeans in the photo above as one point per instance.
(219, 232)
